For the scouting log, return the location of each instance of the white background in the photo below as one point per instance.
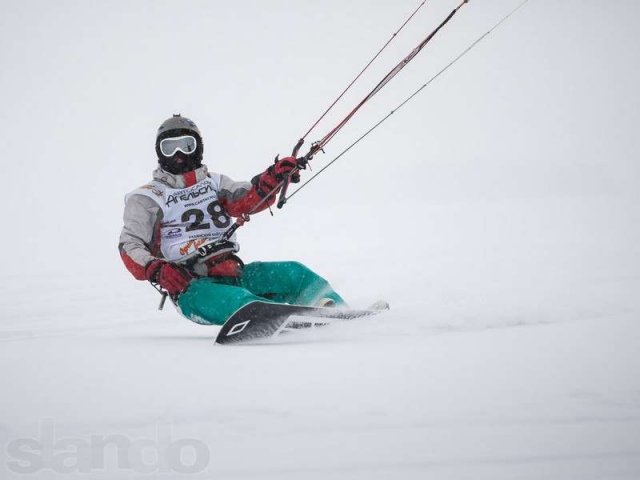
(497, 213)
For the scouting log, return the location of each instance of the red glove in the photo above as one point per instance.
(276, 173)
(173, 278)
(283, 167)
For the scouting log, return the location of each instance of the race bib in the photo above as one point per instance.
(193, 216)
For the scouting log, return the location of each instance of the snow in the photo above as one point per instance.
(530, 372)
(498, 215)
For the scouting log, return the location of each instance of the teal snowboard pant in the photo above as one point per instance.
(212, 300)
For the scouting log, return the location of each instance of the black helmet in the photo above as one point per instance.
(179, 160)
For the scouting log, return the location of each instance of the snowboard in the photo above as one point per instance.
(260, 320)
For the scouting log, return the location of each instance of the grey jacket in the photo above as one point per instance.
(140, 240)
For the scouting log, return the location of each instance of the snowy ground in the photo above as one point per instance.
(531, 372)
(498, 214)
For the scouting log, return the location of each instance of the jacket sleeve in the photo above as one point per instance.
(139, 239)
(238, 198)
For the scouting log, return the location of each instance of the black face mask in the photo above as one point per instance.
(180, 162)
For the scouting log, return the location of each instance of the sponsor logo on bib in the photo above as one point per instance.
(189, 195)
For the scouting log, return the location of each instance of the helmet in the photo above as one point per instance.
(179, 162)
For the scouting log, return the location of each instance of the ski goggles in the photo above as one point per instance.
(186, 144)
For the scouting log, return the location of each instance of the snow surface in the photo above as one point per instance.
(498, 214)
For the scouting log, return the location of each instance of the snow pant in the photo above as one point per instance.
(212, 300)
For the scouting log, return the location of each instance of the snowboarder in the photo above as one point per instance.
(185, 207)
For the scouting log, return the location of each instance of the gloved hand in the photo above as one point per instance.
(173, 278)
(276, 173)
(283, 167)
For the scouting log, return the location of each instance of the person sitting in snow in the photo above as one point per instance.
(185, 207)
